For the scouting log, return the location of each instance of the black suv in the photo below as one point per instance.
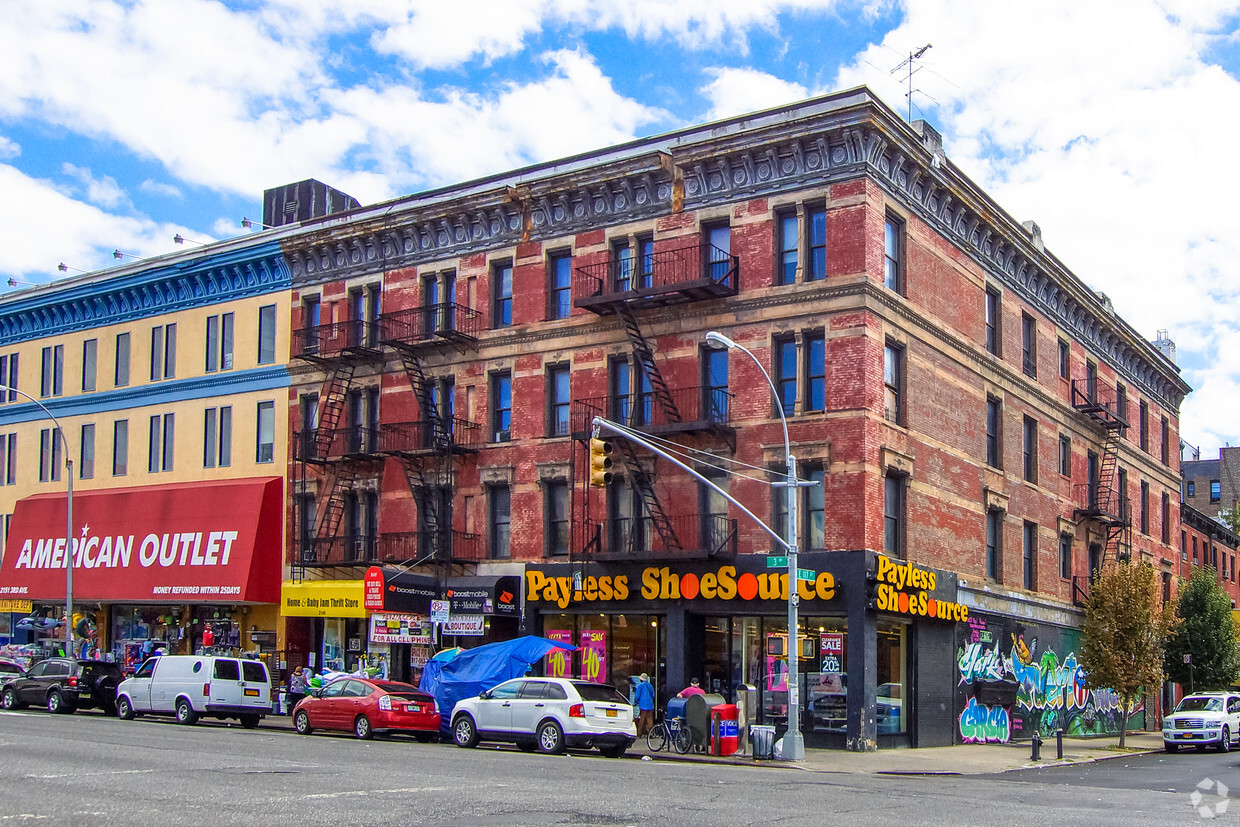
(65, 684)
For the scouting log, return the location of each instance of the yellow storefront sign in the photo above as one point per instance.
(323, 598)
(20, 606)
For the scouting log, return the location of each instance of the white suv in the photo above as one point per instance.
(547, 714)
(1201, 719)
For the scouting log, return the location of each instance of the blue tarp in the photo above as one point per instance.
(476, 670)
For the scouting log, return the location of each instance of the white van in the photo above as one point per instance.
(189, 686)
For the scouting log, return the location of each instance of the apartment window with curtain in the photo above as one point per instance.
(893, 254)
(267, 329)
(499, 505)
(1029, 345)
(557, 518)
(1030, 556)
(1030, 450)
(219, 344)
(789, 247)
(49, 455)
(217, 437)
(560, 285)
(815, 372)
(120, 447)
(120, 376)
(90, 359)
(894, 514)
(1065, 456)
(558, 400)
(994, 440)
(993, 340)
(52, 380)
(1065, 556)
(785, 349)
(265, 450)
(163, 352)
(501, 406)
(86, 453)
(994, 545)
(1065, 360)
(501, 293)
(893, 382)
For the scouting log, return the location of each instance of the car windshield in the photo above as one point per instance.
(1199, 704)
(599, 692)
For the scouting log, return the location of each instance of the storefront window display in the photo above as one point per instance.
(892, 678)
(612, 649)
(140, 631)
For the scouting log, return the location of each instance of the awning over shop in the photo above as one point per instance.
(323, 598)
(205, 542)
(484, 595)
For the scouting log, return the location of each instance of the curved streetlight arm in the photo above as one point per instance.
(64, 444)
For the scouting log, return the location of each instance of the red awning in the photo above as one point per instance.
(204, 542)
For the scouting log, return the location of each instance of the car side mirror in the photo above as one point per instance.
(484, 694)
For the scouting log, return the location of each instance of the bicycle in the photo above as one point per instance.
(669, 734)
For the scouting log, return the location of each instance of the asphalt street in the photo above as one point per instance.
(91, 769)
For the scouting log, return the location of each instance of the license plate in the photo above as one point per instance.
(611, 713)
(413, 708)
(1189, 735)
(251, 693)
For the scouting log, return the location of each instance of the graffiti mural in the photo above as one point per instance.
(1012, 680)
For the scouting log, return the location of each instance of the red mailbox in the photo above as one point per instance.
(724, 729)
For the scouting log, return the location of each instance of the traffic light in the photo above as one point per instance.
(600, 463)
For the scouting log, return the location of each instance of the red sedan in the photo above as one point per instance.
(368, 706)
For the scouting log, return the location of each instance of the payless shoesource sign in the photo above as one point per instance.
(903, 588)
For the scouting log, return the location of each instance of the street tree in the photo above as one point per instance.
(1125, 633)
(1206, 633)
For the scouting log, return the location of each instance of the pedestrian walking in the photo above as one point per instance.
(644, 695)
(296, 688)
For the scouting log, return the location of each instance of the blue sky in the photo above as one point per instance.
(1111, 123)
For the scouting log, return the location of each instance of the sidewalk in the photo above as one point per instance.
(963, 759)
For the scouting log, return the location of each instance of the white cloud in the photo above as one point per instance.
(8, 149)
(102, 190)
(736, 91)
(1101, 122)
(159, 188)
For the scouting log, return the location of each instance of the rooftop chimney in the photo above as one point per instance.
(303, 201)
(1165, 345)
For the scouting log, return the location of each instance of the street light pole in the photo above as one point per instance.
(64, 446)
(794, 743)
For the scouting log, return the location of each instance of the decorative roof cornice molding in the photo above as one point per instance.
(97, 301)
(1207, 525)
(784, 150)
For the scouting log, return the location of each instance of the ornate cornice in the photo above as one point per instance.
(95, 301)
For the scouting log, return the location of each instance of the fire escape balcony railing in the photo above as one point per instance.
(326, 341)
(689, 273)
(701, 537)
(699, 408)
(1099, 401)
(1112, 510)
(324, 445)
(429, 435)
(340, 550)
(430, 544)
(446, 321)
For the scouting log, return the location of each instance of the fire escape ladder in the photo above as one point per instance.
(339, 481)
(425, 485)
(645, 485)
(645, 358)
(335, 388)
(419, 382)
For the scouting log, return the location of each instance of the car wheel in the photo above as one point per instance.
(9, 699)
(550, 738)
(124, 709)
(361, 728)
(1171, 747)
(1224, 741)
(185, 713)
(56, 703)
(616, 751)
(250, 721)
(301, 722)
(464, 733)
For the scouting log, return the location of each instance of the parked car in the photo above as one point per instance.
(547, 714)
(366, 706)
(65, 684)
(1203, 718)
(10, 670)
(190, 686)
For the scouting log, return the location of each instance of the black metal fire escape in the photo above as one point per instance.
(1099, 501)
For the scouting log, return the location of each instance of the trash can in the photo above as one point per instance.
(723, 729)
(763, 740)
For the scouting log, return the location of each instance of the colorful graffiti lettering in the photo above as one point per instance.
(981, 724)
(976, 662)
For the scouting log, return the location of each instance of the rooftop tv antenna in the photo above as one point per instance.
(913, 68)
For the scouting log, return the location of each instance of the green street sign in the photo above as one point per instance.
(807, 574)
(777, 562)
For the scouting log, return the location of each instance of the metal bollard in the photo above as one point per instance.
(1059, 745)
(1037, 746)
